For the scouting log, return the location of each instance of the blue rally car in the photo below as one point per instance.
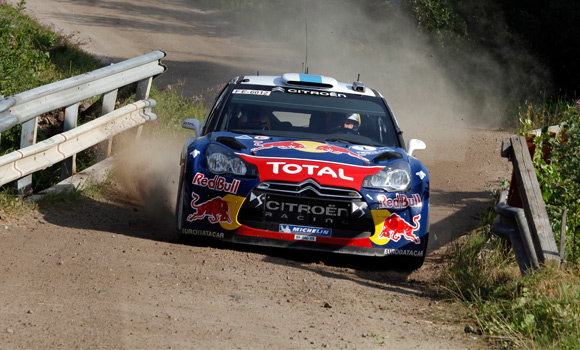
(303, 161)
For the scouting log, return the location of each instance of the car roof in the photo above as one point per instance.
(308, 81)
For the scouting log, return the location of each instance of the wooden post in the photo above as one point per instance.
(533, 202)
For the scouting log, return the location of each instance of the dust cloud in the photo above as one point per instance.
(148, 173)
(435, 93)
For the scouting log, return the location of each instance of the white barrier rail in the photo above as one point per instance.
(29, 104)
(24, 108)
(61, 146)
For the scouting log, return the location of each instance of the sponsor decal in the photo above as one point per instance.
(308, 213)
(323, 172)
(305, 238)
(307, 146)
(186, 124)
(421, 174)
(215, 209)
(218, 183)
(316, 231)
(400, 201)
(261, 137)
(251, 92)
(330, 210)
(314, 93)
(308, 169)
(189, 231)
(244, 137)
(195, 153)
(403, 252)
(396, 227)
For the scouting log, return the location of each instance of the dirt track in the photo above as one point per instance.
(111, 273)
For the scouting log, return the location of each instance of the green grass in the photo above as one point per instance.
(537, 311)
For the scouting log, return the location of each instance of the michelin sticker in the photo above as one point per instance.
(313, 231)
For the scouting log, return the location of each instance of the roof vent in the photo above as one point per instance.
(309, 80)
(358, 86)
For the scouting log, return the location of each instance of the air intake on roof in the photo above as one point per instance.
(309, 80)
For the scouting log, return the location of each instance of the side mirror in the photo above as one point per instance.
(415, 144)
(192, 124)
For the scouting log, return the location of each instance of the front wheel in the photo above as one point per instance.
(179, 208)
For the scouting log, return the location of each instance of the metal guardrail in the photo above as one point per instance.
(61, 146)
(24, 108)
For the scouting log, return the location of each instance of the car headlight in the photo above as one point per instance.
(220, 160)
(395, 177)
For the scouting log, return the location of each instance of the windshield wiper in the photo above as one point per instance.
(246, 132)
(345, 141)
(354, 142)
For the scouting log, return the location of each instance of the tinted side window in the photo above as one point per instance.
(213, 113)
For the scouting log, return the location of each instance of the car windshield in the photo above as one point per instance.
(335, 117)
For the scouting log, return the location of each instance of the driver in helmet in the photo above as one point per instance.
(348, 124)
(352, 123)
(255, 118)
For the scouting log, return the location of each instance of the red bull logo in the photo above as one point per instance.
(339, 150)
(218, 183)
(400, 201)
(215, 209)
(307, 146)
(280, 145)
(396, 227)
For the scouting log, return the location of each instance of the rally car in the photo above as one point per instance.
(303, 161)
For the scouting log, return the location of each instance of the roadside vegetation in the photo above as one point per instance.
(538, 310)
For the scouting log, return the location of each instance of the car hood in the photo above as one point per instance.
(283, 147)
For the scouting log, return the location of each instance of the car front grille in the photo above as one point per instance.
(309, 188)
(276, 206)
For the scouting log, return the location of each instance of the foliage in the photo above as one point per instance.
(557, 163)
(31, 56)
(538, 310)
(172, 108)
(24, 58)
(547, 28)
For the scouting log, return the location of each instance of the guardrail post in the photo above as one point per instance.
(27, 138)
(143, 89)
(105, 148)
(69, 166)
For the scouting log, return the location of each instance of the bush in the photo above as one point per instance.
(559, 175)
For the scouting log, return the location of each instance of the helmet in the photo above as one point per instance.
(254, 117)
(355, 117)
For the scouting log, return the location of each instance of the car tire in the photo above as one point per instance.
(179, 209)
